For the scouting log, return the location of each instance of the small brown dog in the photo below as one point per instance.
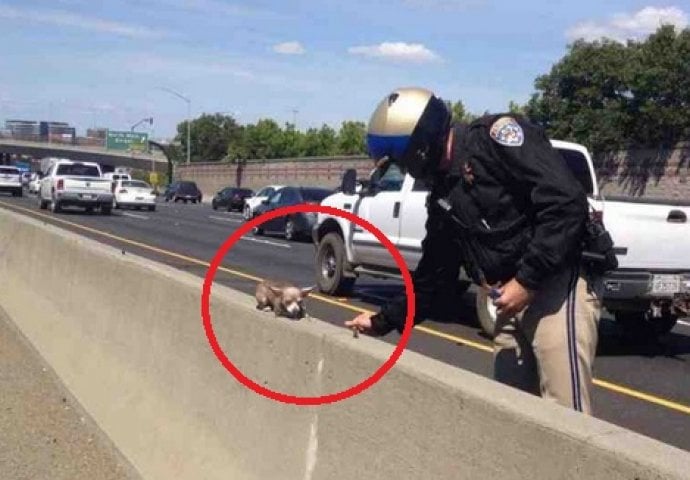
(282, 297)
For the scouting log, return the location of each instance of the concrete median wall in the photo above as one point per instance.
(125, 335)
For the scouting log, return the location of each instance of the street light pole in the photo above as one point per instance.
(189, 126)
(189, 103)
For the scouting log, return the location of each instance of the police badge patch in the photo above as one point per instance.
(508, 132)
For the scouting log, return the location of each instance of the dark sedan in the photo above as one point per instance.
(296, 225)
(183, 191)
(231, 198)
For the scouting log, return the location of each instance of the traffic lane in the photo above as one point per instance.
(186, 229)
(198, 236)
(665, 427)
(180, 226)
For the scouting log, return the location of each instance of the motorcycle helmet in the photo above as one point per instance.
(409, 127)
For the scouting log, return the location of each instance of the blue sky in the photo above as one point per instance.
(103, 63)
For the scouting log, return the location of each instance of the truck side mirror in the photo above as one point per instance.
(349, 182)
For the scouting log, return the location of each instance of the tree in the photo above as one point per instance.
(209, 136)
(585, 96)
(292, 142)
(460, 113)
(264, 140)
(352, 138)
(516, 108)
(609, 95)
(660, 88)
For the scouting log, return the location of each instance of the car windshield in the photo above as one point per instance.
(78, 170)
(315, 194)
(187, 187)
(9, 171)
(135, 184)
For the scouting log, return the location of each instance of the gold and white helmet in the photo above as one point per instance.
(409, 127)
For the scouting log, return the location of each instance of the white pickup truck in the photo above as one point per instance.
(70, 183)
(11, 180)
(651, 288)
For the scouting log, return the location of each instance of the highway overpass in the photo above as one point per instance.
(157, 161)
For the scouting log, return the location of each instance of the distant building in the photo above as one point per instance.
(23, 129)
(97, 133)
(41, 131)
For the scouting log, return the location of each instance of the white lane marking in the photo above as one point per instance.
(225, 219)
(683, 322)
(134, 215)
(266, 242)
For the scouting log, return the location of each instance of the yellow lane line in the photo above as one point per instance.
(646, 397)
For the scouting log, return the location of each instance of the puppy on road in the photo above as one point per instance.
(284, 298)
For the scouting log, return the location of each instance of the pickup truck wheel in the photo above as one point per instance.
(330, 266)
(637, 324)
(486, 312)
(106, 209)
(42, 204)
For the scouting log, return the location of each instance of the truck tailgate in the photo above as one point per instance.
(88, 184)
(651, 241)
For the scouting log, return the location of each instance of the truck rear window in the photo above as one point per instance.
(577, 163)
(78, 170)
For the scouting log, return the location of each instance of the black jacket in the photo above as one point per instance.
(520, 214)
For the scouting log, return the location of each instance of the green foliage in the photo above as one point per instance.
(610, 95)
(460, 113)
(604, 94)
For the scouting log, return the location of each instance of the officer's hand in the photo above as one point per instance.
(514, 299)
(361, 323)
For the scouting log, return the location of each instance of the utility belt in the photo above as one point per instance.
(598, 254)
(502, 249)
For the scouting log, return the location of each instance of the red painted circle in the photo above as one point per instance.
(282, 397)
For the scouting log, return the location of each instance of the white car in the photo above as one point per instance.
(11, 180)
(35, 183)
(134, 194)
(253, 202)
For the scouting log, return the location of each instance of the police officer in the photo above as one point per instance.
(503, 205)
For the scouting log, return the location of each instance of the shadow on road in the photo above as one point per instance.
(616, 342)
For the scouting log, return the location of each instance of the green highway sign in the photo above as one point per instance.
(132, 141)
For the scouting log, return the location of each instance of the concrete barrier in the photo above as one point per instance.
(125, 335)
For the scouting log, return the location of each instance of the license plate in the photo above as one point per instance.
(139, 198)
(665, 284)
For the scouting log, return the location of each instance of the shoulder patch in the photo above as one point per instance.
(507, 131)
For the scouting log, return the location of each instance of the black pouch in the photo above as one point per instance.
(598, 254)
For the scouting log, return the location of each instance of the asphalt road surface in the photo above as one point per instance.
(641, 386)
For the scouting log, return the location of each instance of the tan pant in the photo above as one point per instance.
(549, 348)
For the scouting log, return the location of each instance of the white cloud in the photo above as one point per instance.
(397, 51)
(66, 19)
(289, 48)
(624, 26)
